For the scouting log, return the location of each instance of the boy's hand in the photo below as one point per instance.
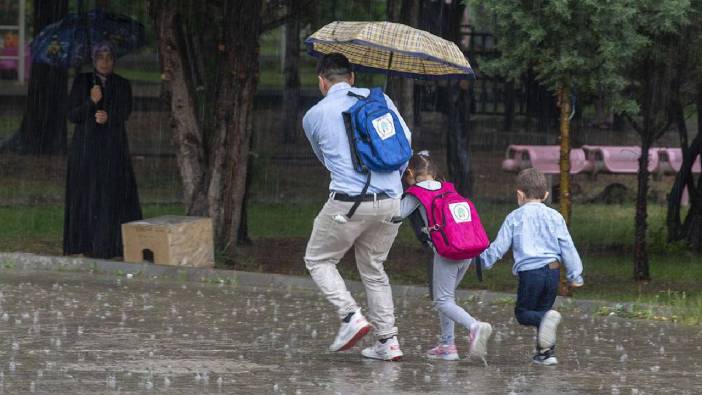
(576, 284)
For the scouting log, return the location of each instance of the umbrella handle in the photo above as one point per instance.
(387, 74)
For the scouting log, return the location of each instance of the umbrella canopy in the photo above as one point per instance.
(391, 48)
(67, 42)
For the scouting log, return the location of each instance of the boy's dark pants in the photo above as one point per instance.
(536, 294)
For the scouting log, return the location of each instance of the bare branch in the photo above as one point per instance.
(664, 129)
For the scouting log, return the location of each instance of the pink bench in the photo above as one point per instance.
(671, 160)
(12, 64)
(617, 159)
(542, 157)
(595, 159)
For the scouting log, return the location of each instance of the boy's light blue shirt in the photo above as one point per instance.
(538, 235)
(324, 128)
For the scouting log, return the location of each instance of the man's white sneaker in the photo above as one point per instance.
(350, 332)
(388, 351)
(547, 329)
(478, 338)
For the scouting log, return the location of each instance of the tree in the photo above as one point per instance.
(687, 90)
(291, 73)
(212, 162)
(43, 127)
(209, 60)
(576, 46)
(653, 77)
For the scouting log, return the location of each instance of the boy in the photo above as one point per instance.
(539, 239)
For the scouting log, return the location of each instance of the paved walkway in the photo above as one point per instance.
(84, 333)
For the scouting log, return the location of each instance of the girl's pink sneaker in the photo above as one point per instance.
(447, 352)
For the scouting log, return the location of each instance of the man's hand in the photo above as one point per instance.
(101, 117)
(95, 93)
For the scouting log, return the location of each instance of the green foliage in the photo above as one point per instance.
(655, 65)
(583, 44)
(353, 10)
(664, 306)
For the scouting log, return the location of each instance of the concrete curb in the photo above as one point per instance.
(32, 262)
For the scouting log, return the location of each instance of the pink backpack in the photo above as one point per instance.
(453, 222)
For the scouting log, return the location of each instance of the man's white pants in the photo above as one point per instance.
(371, 233)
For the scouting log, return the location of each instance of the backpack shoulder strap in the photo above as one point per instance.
(425, 196)
(350, 135)
(448, 187)
(377, 94)
(356, 95)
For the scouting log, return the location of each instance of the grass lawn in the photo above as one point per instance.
(9, 124)
(139, 75)
(603, 235)
(595, 228)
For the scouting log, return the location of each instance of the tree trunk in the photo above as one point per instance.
(238, 78)
(400, 89)
(693, 220)
(641, 272)
(544, 102)
(655, 93)
(684, 176)
(564, 164)
(213, 165)
(178, 91)
(43, 127)
(509, 96)
(458, 153)
(692, 227)
(243, 238)
(291, 90)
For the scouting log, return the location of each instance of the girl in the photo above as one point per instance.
(446, 274)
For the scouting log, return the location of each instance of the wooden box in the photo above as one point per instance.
(170, 240)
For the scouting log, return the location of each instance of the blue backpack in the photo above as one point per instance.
(376, 137)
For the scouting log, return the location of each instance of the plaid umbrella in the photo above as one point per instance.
(391, 48)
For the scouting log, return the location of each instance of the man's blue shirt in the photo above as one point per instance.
(324, 127)
(538, 235)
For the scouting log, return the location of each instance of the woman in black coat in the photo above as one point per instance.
(101, 192)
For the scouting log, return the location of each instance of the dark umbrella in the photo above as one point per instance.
(67, 42)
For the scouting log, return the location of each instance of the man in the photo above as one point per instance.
(369, 230)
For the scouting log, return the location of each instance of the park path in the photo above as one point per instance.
(82, 333)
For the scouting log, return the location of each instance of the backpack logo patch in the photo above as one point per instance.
(460, 212)
(384, 126)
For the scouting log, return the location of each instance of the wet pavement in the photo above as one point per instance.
(82, 333)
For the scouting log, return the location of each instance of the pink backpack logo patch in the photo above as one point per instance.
(453, 222)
